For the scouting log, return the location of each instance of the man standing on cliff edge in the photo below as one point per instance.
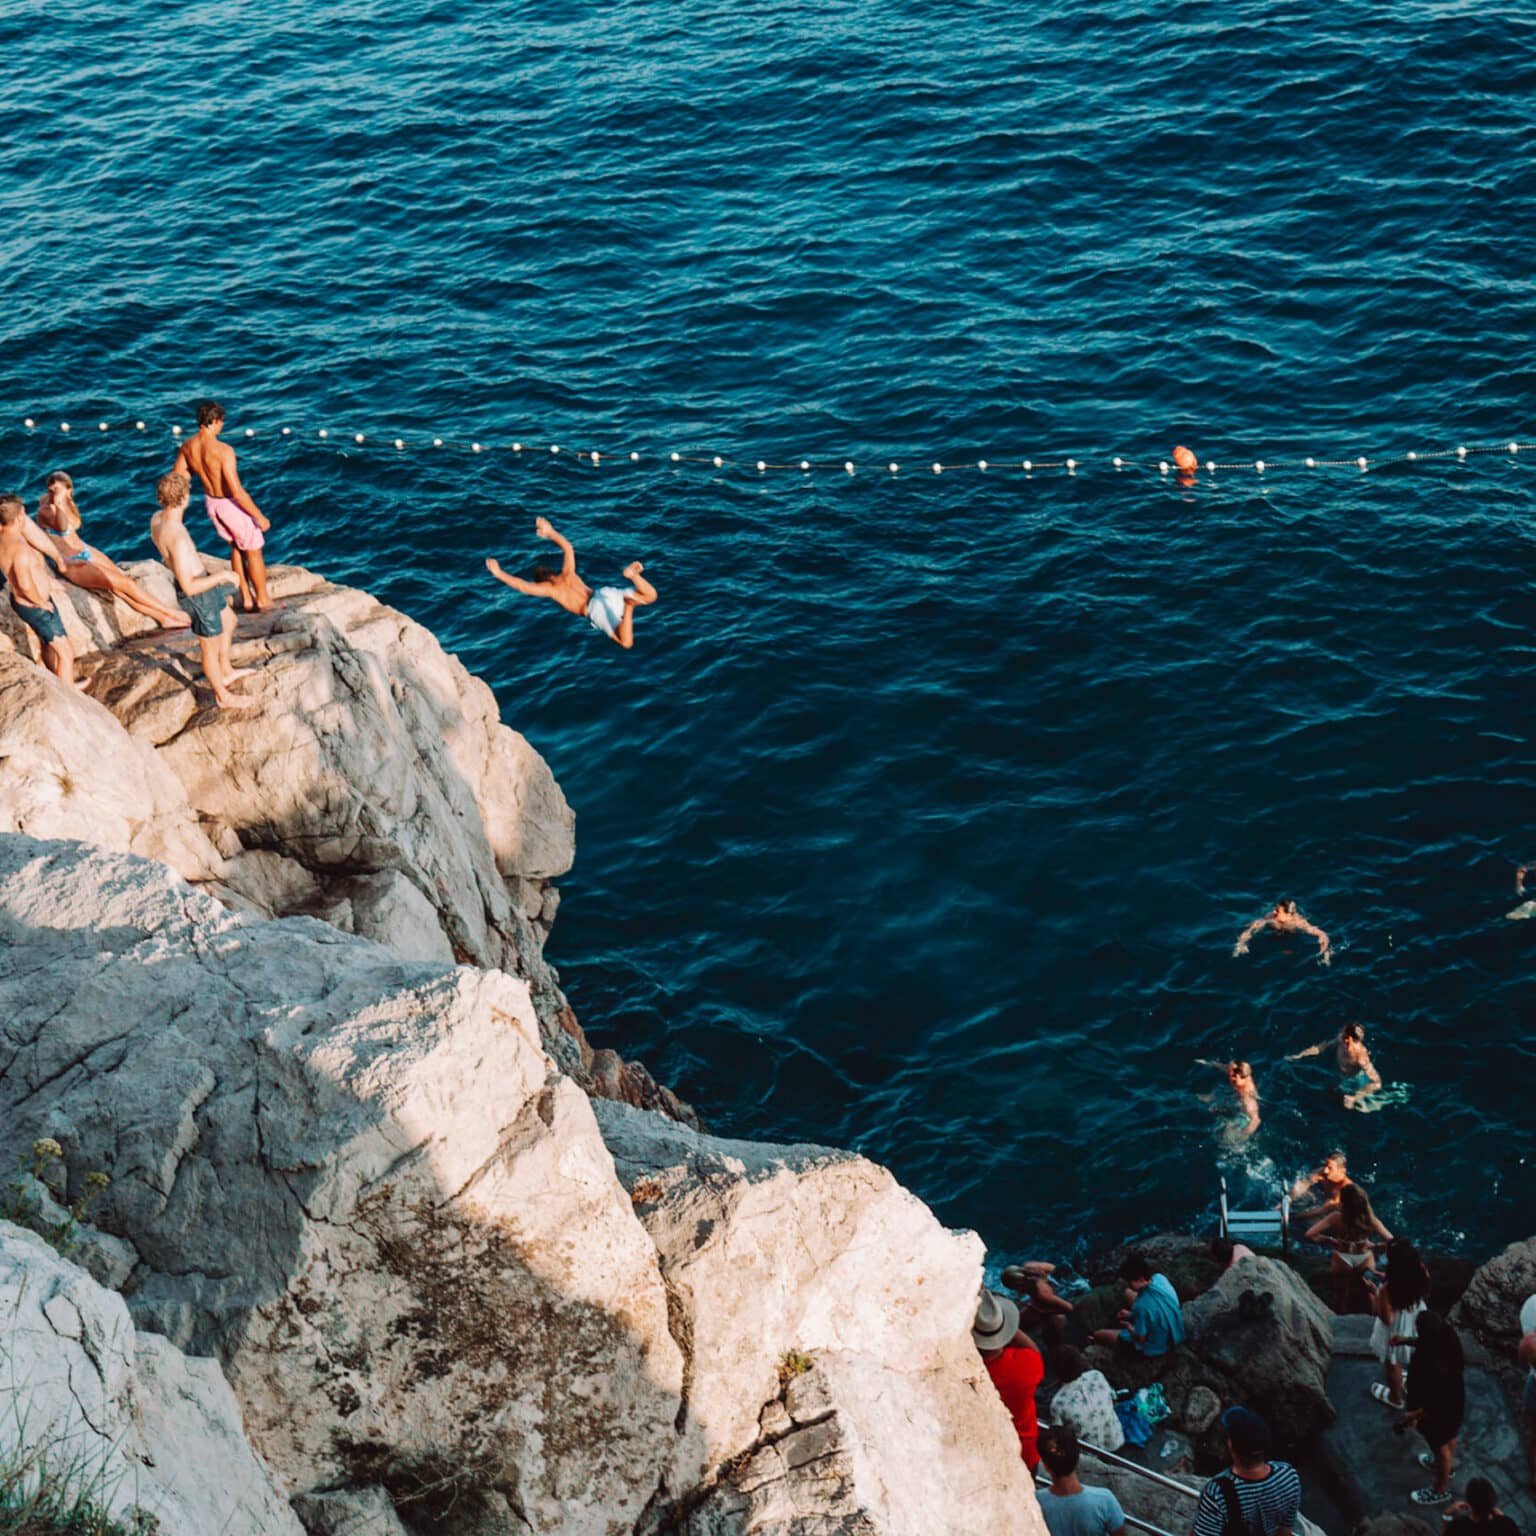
(234, 514)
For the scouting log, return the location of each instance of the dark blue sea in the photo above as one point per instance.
(925, 811)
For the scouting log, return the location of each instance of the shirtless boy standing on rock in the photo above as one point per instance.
(236, 517)
(26, 573)
(203, 596)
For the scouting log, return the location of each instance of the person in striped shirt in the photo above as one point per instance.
(1267, 1493)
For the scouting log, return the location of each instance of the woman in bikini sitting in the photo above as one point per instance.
(87, 567)
(1353, 1232)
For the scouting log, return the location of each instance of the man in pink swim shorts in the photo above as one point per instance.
(230, 508)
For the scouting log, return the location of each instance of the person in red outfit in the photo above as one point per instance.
(1015, 1366)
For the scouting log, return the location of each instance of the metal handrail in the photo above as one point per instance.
(1042, 1481)
(1139, 1470)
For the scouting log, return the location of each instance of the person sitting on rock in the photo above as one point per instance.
(1227, 1253)
(82, 565)
(1284, 917)
(1478, 1514)
(1085, 1402)
(1151, 1322)
(1352, 1232)
(1015, 1366)
(1069, 1508)
(203, 596)
(1258, 1496)
(32, 601)
(1043, 1307)
(611, 610)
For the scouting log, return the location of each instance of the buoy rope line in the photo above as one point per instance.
(528, 451)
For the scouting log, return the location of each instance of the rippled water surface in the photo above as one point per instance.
(924, 813)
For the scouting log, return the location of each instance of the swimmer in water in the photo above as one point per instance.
(1240, 1080)
(1328, 1180)
(611, 610)
(1358, 1071)
(1284, 918)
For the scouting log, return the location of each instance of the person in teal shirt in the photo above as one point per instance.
(1152, 1322)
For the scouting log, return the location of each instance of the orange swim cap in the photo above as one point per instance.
(1184, 458)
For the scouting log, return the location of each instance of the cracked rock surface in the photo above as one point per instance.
(371, 785)
(770, 1252)
(358, 1182)
(143, 1425)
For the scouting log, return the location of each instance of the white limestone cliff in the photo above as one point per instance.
(285, 985)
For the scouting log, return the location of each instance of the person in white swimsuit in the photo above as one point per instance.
(1353, 1232)
(610, 610)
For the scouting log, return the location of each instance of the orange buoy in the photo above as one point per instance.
(1185, 459)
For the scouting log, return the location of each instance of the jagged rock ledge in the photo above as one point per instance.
(373, 786)
(281, 977)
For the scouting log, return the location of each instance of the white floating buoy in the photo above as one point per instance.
(357, 437)
(1461, 453)
(1311, 463)
(139, 425)
(1258, 464)
(399, 443)
(249, 431)
(517, 447)
(1210, 466)
(761, 466)
(286, 431)
(30, 422)
(1162, 466)
(938, 469)
(1412, 456)
(1514, 447)
(718, 461)
(437, 442)
(676, 457)
(323, 432)
(1119, 462)
(177, 431)
(474, 447)
(894, 467)
(1071, 466)
(981, 464)
(63, 426)
(102, 425)
(1029, 464)
(634, 458)
(554, 447)
(848, 465)
(1362, 463)
(597, 458)
(805, 463)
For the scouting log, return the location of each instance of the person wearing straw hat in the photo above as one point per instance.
(610, 610)
(1015, 1366)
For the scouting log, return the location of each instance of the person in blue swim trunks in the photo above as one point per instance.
(204, 596)
(32, 600)
(1358, 1077)
(610, 610)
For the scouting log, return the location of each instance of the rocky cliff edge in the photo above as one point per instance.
(280, 976)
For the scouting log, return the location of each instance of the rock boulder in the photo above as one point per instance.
(96, 1405)
(786, 1259)
(355, 1181)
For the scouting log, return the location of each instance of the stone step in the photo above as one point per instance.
(1374, 1470)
